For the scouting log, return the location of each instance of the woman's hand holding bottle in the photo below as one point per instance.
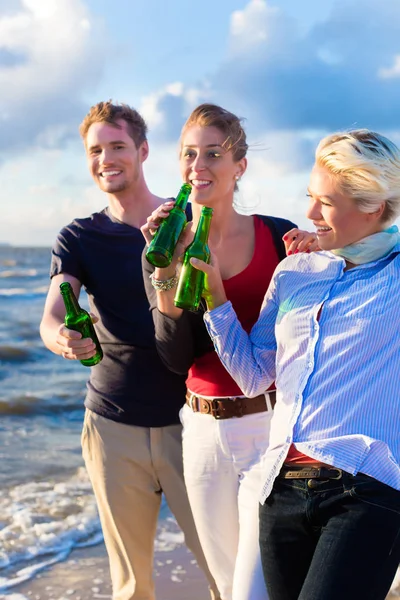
(214, 291)
(149, 229)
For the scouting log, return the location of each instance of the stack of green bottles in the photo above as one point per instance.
(191, 281)
(78, 319)
(162, 246)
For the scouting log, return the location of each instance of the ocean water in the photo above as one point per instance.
(46, 503)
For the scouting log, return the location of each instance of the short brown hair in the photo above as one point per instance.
(107, 112)
(212, 115)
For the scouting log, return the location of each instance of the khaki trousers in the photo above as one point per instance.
(129, 468)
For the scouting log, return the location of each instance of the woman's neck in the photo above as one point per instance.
(225, 222)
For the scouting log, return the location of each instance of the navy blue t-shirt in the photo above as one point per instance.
(130, 385)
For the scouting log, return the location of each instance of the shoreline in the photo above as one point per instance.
(85, 576)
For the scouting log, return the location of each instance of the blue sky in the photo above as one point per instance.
(295, 70)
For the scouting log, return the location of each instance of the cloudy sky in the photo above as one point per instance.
(293, 69)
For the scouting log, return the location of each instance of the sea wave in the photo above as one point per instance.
(42, 522)
(19, 273)
(15, 354)
(27, 404)
(29, 293)
(8, 262)
(13, 292)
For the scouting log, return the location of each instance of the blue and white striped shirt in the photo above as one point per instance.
(330, 339)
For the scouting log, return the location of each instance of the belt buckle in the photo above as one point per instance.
(192, 402)
(339, 471)
(214, 408)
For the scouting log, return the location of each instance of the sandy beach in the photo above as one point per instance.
(85, 576)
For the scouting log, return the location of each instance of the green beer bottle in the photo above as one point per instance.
(78, 319)
(191, 280)
(162, 246)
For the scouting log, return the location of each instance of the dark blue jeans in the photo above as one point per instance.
(330, 539)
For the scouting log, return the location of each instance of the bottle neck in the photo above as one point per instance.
(71, 303)
(183, 197)
(203, 226)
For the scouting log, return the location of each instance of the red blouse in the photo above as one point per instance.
(246, 291)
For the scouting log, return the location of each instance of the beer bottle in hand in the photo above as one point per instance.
(162, 246)
(78, 319)
(191, 280)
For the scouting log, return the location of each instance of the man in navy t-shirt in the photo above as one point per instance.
(131, 436)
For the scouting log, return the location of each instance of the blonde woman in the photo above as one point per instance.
(329, 336)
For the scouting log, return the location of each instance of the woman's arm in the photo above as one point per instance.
(173, 332)
(249, 359)
(173, 336)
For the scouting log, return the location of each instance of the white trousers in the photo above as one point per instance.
(223, 476)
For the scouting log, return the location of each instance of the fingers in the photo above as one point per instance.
(183, 242)
(201, 265)
(86, 349)
(72, 346)
(214, 291)
(70, 355)
(313, 246)
(298, 240)
(69, 334)
(153, 221)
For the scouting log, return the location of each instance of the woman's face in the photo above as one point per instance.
(337, 219)
(207, 166)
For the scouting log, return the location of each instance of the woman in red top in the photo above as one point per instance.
(224, 434)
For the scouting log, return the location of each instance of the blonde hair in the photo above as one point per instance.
(107, 112)
(366, 167)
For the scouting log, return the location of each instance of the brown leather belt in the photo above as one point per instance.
(311, 472)
(226, 408)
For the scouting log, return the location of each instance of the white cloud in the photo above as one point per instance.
(162, 168)
(53, 40)
(333, 76)
(259, 24)
(149, 107)
(49, 208)
(287, 82)
(46, 65)
(166, 110)
(394, 71)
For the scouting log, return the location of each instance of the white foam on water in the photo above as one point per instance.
(13, 292)
(167, 539)
(41, 523)
(19, 273)
(20, 291)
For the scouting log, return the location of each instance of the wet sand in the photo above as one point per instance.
(85, 576)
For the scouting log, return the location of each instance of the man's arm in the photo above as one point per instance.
(56, 337)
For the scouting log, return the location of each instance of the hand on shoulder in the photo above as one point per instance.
(298, 240)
